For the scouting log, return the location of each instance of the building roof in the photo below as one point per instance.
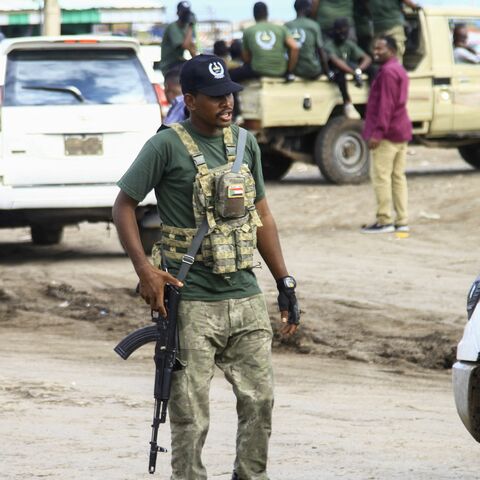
(33, 5)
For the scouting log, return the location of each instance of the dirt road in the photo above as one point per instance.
(362, 393)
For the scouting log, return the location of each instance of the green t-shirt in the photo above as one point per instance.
(172, 50)
(386, 14)
(266, 43)
(165, 166)
(330, 10)
(308, 36)
(348, 51)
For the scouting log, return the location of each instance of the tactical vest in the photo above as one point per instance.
(227, 200)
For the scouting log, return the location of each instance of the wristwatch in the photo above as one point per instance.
(358, 71)
(286, 282)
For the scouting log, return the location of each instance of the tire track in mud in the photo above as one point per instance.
(352, 330)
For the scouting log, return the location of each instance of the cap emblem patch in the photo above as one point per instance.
(216, 69)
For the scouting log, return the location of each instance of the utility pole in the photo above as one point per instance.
(51, 18)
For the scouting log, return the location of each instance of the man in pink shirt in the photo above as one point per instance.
(387, 130)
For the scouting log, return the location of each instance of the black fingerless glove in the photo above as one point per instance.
(287, 299)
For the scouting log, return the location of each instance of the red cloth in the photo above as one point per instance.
(387, 117)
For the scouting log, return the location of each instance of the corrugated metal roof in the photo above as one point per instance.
(29, 5)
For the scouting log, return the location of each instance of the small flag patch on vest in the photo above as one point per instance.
(235, 191)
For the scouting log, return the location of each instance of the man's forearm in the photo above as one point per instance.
(341, 65)
(292, 59)
(323, 60)
(365, 62)
(268, 244)
(188, 43)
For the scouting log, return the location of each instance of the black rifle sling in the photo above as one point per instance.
(189, 257)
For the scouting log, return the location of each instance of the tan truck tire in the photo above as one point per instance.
(340, 151)
(471, 154)
(274, 165)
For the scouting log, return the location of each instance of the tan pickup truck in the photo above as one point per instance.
(303, 120)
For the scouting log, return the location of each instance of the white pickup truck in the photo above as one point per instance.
(75, 111)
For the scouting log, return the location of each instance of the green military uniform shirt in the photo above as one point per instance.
(266, 43)
(172, 50)
(386, 14)
(308, 35)
(330, 10)
(165, 166)
(348, 51)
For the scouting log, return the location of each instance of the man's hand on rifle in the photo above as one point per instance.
(288, 305)
(152, 286)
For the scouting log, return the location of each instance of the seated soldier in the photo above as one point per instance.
(346, 57)
(312, 59)
(462, 51)
(268, 49)
(236, 53)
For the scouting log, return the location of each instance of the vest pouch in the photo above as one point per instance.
(223, 251)
(245, 243)
(230, 195)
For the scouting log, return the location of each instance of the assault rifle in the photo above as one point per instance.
(165, 334)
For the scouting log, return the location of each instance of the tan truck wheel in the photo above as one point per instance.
(340, 151)
(274, 165)
(471, 154)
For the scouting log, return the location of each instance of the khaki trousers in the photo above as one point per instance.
(387, 172)
(398, 33)
(236, 336)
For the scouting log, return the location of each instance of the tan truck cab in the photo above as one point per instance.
(304, 121)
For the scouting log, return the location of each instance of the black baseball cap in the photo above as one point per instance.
(183, 7)
(207, 74)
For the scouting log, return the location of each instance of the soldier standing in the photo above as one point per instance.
(222, 316)
(178, 37)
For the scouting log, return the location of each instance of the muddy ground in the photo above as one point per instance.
(363, 391)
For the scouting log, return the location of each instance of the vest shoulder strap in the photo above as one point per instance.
(194, 151)
(229, 144)
(192, 147)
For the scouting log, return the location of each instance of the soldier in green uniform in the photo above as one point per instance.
(327, 11)
(222, 317)
(346, 57)
(178, 37)
(268, 49)
(388, 20)
(312, 59)
(363, 25)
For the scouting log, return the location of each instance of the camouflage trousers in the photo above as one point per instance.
(234, 335)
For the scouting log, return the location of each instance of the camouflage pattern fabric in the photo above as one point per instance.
(236, 336)
(230, 244)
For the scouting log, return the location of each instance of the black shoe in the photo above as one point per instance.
(378, 228)
(235, 476)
